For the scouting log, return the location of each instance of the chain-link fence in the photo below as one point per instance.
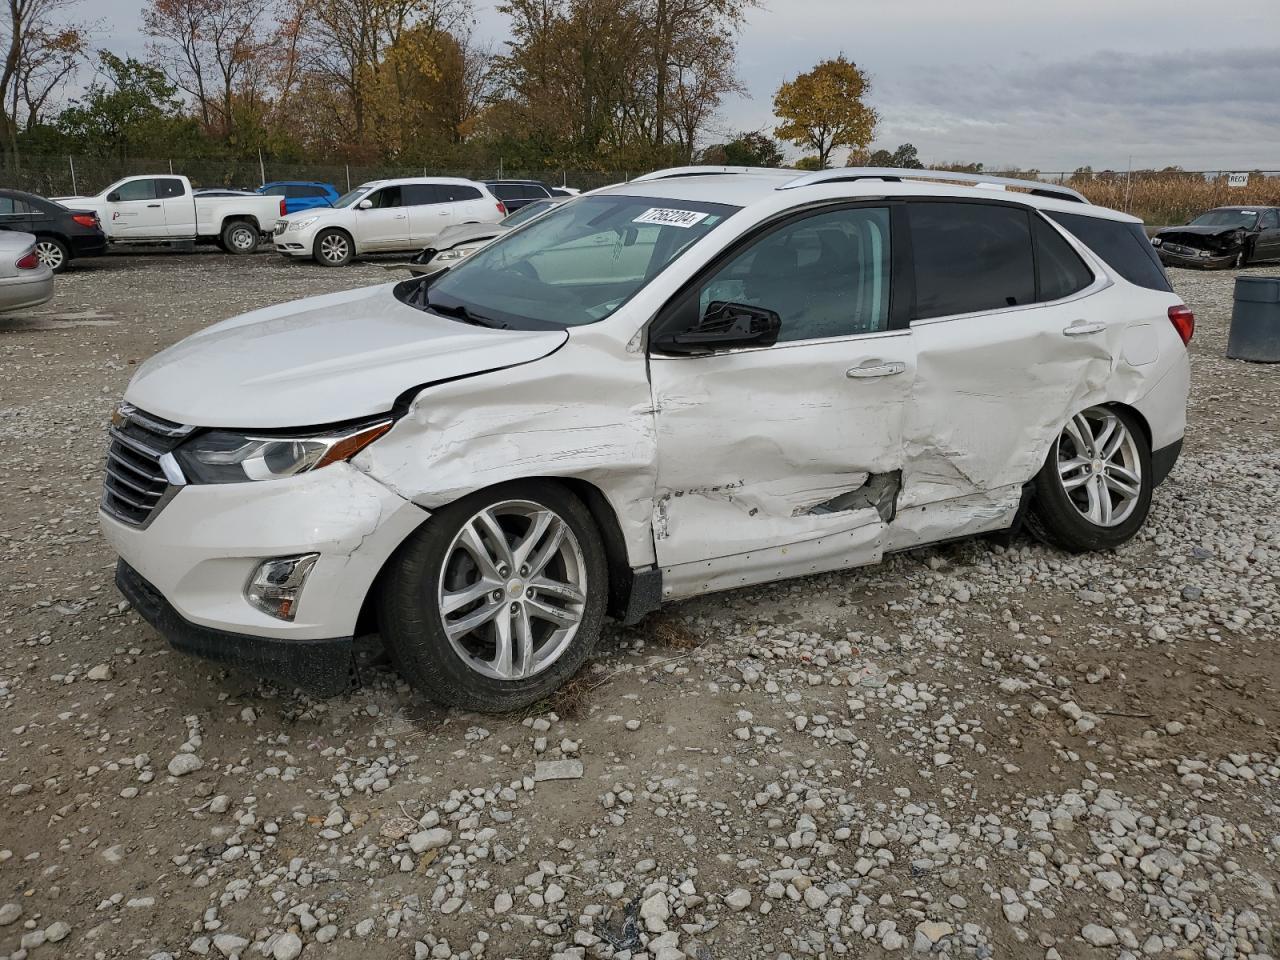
(83, 176)
(1159, 197)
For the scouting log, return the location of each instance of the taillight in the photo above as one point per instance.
(1184, 321)
(85, 219)
(29, 262)
(502, 209)
(282, 209)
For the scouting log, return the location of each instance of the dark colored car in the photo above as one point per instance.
(301, 194)
(517, 193)
(1221, 238)
(62, 235)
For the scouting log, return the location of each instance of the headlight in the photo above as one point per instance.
(223, 456)
(303, 223)
(446, 258)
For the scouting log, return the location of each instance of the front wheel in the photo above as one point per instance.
(1094, 490)
(497, 599)
(333, 248)
(53, 253)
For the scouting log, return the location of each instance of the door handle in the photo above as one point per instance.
(1082, 328)
(401, 216)
(152, 206)
(875, 368)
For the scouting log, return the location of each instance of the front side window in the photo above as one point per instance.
(573, 266)
(386, 198)
(970, 257)
(1270, 220)
(827, 275)
(136, 190)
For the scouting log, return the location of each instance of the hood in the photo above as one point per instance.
(1190, 231)
(462, 232)
(321, 360)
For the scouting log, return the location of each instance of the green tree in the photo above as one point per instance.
(905, 157)
(825, 109)
(135, 110)
(748, 149)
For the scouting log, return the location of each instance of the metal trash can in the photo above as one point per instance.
(1255, 320)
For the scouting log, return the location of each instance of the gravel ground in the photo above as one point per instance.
(973, 750)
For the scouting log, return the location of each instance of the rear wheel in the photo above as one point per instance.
(333, 248)
(239, 236)
(498, 599)
(1094, 490)
(53, 253)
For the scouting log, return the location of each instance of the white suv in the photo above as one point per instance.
(385, 216)
(699, 380)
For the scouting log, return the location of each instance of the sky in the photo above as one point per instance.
(1009, 83)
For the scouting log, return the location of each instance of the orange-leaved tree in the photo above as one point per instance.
(825, 108)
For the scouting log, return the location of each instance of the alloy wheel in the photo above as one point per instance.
(512, 590)
(1099, 467)
(50, 254)
(334, 248)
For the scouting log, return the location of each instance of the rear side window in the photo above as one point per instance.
(420, 194)
(1123, 247)
(10, 206)
(167, 187)
(970, 257)
(278, 191)
(1059, 270)
(456, 192)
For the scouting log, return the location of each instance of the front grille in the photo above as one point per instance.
(136, 485)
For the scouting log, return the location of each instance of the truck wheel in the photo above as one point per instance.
(239, 236)
(333, 248)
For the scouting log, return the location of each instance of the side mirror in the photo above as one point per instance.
(725, 326)
(364, 205)
(113, 197)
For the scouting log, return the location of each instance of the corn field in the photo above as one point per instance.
(1164, 200)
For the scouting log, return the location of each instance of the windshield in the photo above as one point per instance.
(1227, 218)
(352, 196)
(527, 213)
(574, 265)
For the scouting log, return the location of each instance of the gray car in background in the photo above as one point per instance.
(458, 242)
(25, 281)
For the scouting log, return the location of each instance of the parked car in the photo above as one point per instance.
(25, 279)
(458, 242)
(385, 216)
(665, 388)
(1221, 238)
(565, 193)
(153, 209)
(301, 194)
(516, 193)
(62, 235)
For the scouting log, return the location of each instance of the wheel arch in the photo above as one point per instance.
(231, 218)
(621, 576)
(336, 228)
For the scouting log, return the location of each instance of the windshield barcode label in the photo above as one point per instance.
(666, 217)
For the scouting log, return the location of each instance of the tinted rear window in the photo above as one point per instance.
(1060, 269)
(454, 192)
(1123, 247)
(970, 257)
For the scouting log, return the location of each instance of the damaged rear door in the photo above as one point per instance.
(783, 459)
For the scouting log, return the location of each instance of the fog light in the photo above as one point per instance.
(276, 585)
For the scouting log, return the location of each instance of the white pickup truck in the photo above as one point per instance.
(159, 209)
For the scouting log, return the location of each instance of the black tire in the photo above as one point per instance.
(239, 237)
(412, 626)
(53, 253)
(1054, 516)
(333, 248)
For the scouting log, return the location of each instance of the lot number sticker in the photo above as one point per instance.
(665, 217)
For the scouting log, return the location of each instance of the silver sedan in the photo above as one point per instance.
(25, 281)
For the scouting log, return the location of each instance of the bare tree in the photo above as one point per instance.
(32, 40)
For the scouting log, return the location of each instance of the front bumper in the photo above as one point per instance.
(199, 551)
(322, 667)
(1172, 259)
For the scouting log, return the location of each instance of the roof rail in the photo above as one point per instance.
(897, 175)
(702, 171)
